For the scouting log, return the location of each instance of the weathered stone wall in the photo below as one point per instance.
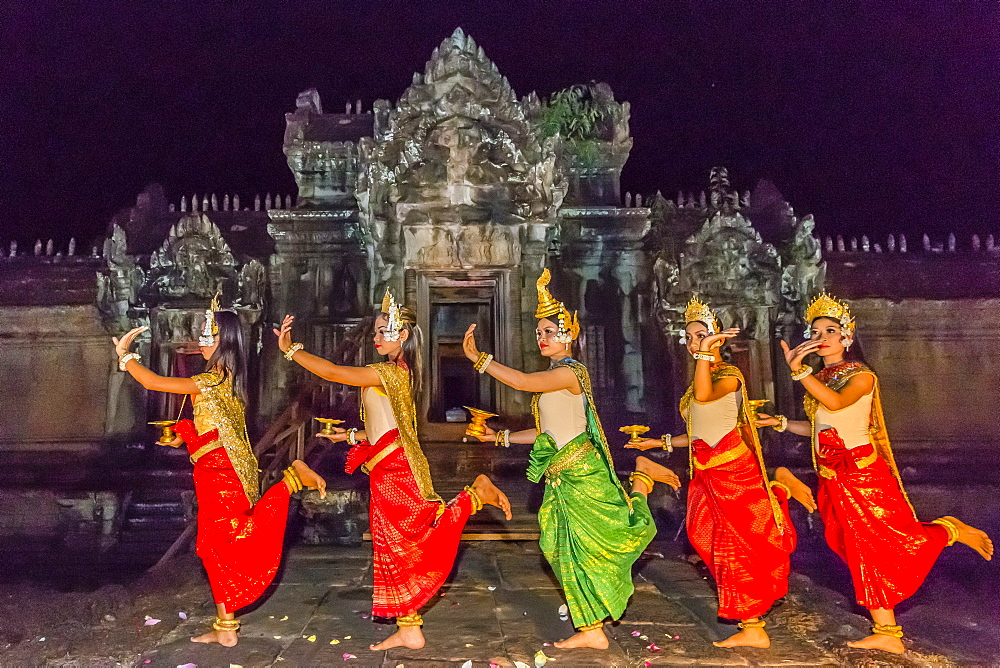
(55, 369)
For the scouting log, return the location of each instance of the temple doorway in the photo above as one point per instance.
(452, 304)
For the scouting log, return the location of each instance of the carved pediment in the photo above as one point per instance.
(458, 148)
(193, 262)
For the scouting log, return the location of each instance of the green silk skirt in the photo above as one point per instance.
(590, 533)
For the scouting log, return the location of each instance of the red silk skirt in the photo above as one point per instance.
(731, 525)
(414, 546)
(239, 544)
(869, 524)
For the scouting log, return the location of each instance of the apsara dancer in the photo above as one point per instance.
(592, 530)
(737, 520)
(867, 516)
(240, 532)
(415, 534)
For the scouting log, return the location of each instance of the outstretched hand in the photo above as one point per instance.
(765, 420)
(123, 344)
(285, 333)
(794, 356)
(469, 344)
(489, 437)
(645, 444)
(715, 340)
(339, 437)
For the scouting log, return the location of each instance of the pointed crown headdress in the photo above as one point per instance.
(548, 306)
(391, 310)
(698, 311)
(827, 306)
(211, 328)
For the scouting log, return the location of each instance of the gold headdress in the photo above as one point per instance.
(827, 306)
(391, 309)
(211, 328)
(569, 323)
(698, 311)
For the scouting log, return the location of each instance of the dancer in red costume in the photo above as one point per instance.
(240, 532)
(415, 534)
(737, 520)
(868, 519)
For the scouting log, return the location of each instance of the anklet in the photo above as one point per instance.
(221, 624)
(593, 627)
(292, 479)
(477, 503)
(410, 620)
(950, 527)
(887, 630)
(643, 477)
(759, 624)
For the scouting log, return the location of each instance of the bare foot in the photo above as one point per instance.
(657, 472)
(491, 494)
(224, 638)
(595, 639)
(309, 477)
(975, 538)
(405, 636)
(877, 641)
(746, 638)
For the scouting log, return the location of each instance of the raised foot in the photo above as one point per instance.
(491, 494)
(657, 472)
(746, 638)
(405, 636)
(594, 639)
(224, 638)
(309, 477)
(975, 538)
(877, 641)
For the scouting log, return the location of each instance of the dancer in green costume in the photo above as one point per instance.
(592, 530)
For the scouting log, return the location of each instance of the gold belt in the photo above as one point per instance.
(383, 453)
(569, 460)
(724, 458)
(204, 450)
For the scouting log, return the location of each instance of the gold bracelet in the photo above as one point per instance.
(643, 477)
(294, 348)
(502, 438)
(782, 423)
(666, 440)
(802, 372)
(707, 357)
(126, 358)
(477, 503)
(291, 478)
(352, 439)
(776, 483)
(410, 620)
(221, 624)
(489, 360)
(887, 630)
(950, 527)
(479, 362)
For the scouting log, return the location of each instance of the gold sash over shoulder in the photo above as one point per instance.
(876, 425)
(396, 382)
(748, 431)
(218, 408)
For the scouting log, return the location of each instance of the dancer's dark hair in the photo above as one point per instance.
(231, 355)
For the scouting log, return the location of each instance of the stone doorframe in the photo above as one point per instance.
(505, 343)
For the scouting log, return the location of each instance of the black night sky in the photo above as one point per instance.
(873, 116)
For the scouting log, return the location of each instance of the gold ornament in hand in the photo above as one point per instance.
(634, 430)
(328, 425)
(167, 434)
(477, 427)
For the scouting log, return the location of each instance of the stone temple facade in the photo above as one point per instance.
(457, 196)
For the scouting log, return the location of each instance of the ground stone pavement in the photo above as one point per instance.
(501, 606)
